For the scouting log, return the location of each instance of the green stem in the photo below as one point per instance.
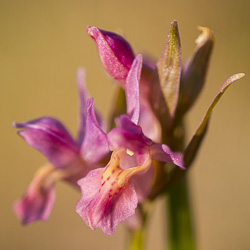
(179, 218)
(136, 239)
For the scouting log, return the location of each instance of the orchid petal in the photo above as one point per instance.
(124, 208)
(97, 209)
(125, 123)
(169, 68)
(95, 144)
(162, 152)
(120, 138)
(132, 89)
(114, 51)
(197, 138)
(39, 198)
(83, 96)
(108, 196)
(151, 129)
(51, 138)
(129, 136)
(194, 72)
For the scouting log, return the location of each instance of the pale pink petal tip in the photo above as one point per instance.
(31, 208)
(162, 152)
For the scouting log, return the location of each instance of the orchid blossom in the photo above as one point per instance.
(110, 194)
(147, 142)
(69, 159)
(116, 189)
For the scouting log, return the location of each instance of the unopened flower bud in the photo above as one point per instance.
(116, 54)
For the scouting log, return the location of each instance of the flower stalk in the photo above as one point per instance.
(179, 219)
(136, 239)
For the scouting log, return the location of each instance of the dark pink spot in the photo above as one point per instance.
(108, 178)
(103, 183)
(113, 183)
(120, 188)
(110, 190)
(113, 171)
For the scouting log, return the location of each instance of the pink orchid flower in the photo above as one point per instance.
(69, 159)
(111, 194)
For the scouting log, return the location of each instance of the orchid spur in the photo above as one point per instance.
(69, 159)
(110, 194)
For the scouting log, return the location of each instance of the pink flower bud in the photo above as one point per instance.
(116, 54)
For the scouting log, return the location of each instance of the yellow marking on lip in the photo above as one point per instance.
(115, 178)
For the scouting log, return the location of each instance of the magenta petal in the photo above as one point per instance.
(51, 138)
(39, 198)
(132, 89)
(162, 152)
(98, 210)
(125, 123)
(95, 144)
(123, 208)
(129, 136)
(114, 51)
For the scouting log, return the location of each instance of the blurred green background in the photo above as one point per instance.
(44, 42)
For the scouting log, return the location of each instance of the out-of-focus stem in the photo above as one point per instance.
(179, 217)
(136, 239)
